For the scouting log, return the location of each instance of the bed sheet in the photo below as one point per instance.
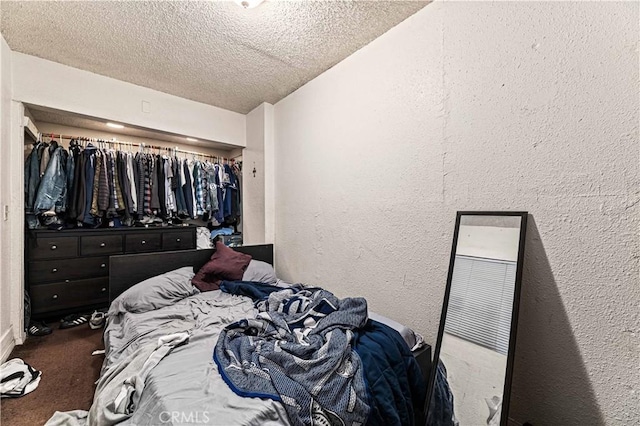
(185, 387)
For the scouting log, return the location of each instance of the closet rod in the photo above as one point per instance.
(143, 145)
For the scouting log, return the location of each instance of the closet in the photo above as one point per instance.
(87, 199)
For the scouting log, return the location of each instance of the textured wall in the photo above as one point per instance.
(493, 106)
(253, 185)
(6, 335)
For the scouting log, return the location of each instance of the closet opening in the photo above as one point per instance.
(92, 191)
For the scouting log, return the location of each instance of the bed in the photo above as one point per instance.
(151, 298)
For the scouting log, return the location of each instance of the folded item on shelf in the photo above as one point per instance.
(221, 231)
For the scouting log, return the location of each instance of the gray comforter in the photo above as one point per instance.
(184, 388)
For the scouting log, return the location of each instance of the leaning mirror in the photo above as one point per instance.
(476, 339)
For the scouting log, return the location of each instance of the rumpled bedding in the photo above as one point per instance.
(322, 358)
(297, 350)
(185, 386)
(395, 384)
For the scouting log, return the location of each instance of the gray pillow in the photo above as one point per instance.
(260, 271)
(414, 340)
(155, 292)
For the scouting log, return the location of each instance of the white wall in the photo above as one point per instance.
(41, 82)
(482, 106)
(253, 185)
(258, 191)
(6, 334)
(269, 176)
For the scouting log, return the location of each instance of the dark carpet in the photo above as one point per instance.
(68, 375)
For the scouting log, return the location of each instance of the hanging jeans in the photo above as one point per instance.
(90, 171)
(53, 186)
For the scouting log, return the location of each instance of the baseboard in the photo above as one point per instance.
(7, 343)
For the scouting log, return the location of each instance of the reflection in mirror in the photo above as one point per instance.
(477, 329)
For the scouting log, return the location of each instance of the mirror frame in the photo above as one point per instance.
(506, 396)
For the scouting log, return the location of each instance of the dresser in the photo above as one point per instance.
(68, 271)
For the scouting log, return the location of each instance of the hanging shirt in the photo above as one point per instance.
(178, 174)
(192, 189)
(95, 194)
(199, 190)
(103, 185)
(132, 183)
(187, 189)
(168, 173)
(32, 176)
(140, 185)
(90, 158)
(148, 171)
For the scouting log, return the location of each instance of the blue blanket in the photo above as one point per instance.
(298, 351)
(384, 385)
(394, 380)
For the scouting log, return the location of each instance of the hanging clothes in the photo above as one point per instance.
(93, 186)
(32, 176)
(51, 195)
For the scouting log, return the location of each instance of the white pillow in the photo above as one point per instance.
(260, 271)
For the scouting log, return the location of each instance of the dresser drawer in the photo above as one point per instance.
(101, 244)
(42, 271)
(52, 297)
(53, 247)
(177, 240)
(138, 243)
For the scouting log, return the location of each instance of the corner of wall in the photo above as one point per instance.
(269, 174)
(258, 181)
(15, 222)
(8, 207)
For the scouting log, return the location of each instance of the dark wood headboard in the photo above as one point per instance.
(129, 269)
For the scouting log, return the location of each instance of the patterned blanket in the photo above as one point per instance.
(298, 350)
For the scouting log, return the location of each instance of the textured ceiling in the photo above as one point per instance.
(213, 52)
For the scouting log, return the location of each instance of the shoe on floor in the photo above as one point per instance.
(74, 320)
(37, 328)
(97, 320)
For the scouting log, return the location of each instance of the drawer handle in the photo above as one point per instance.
(103, 244)
(66, 281)
(103, 265)
(54, 270)
(103, 289)
(55, 296)
(143, 242)
(53, 247)
(177, 240)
